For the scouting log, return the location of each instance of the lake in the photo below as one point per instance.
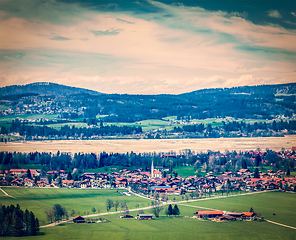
(153, 145)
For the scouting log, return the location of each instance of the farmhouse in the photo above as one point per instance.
(209, 214)
(248, 215)
(78, 219)
(145, 216)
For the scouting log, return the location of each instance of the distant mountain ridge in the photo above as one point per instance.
(287, 88)
(44, 88)
(48, 88)
(252, 102)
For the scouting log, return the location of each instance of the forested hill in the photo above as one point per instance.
(259, 102)
(43, 88)
(289, 88)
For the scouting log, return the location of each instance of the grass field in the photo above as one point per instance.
(185, 171)
(81, 200)
(58, 126)
(163, 227)
(29, 116)
(145, 124)
(167, 228)
(283, 204)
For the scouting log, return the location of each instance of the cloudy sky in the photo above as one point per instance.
(148, 47)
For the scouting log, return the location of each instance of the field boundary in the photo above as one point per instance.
(7, 194)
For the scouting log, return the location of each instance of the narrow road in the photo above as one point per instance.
(280, 224)
(194, 200)
(7, 193)
(198, 207)
(98, 214)
(166, 203)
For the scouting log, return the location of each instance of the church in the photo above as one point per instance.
(155, 173)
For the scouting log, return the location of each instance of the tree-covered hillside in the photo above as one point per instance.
(257, 102)
(42, 88)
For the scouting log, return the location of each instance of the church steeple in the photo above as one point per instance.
(152, 170)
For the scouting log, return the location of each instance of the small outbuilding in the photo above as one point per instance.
(126, 216)
(78, 219)
(227, 218)
(145, 216)
(209, 214)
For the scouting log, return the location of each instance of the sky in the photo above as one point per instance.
(148, 47)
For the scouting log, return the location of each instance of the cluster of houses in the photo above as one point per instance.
(37, 105)
(215, 215)
(218, 215)
(154, 182)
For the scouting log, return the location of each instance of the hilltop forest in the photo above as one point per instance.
(115, 114)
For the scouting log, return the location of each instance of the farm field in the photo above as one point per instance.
(164, 227)
(151, 145)
(184, 171)
(81, 200)
(29, 116)
(283, 204)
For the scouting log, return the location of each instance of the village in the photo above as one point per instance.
(157, 183)
(165, 187)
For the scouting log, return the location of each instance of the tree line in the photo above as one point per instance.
(240, 126)
(210, 161)
(15, 222)
(45, 131)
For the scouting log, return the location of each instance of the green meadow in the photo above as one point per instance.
(147, 125)
(82, 200)
(282, 204)
(29, 116)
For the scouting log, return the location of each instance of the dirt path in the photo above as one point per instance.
(166, 203)
(7, 193)
(280, 224)
(98, 214)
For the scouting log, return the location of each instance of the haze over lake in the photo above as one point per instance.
(151, 145)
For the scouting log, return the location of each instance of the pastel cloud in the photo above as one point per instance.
(175, 50)
(274, 14)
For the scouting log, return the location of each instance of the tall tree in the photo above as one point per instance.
(156, 209)
(32, 224)
(93, 209)
(170, 210)
(69, 176)
(109, 204)
(244, 164)
(256, 173)
(37, 227)
(26, 221)
(257, 160)
(176, 210)
(115, 204)
(16, 224)
(59, 212)
(29, 174)
(288, 172)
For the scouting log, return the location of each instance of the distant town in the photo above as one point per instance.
(158, 182)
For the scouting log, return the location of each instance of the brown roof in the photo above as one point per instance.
(209, 212)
